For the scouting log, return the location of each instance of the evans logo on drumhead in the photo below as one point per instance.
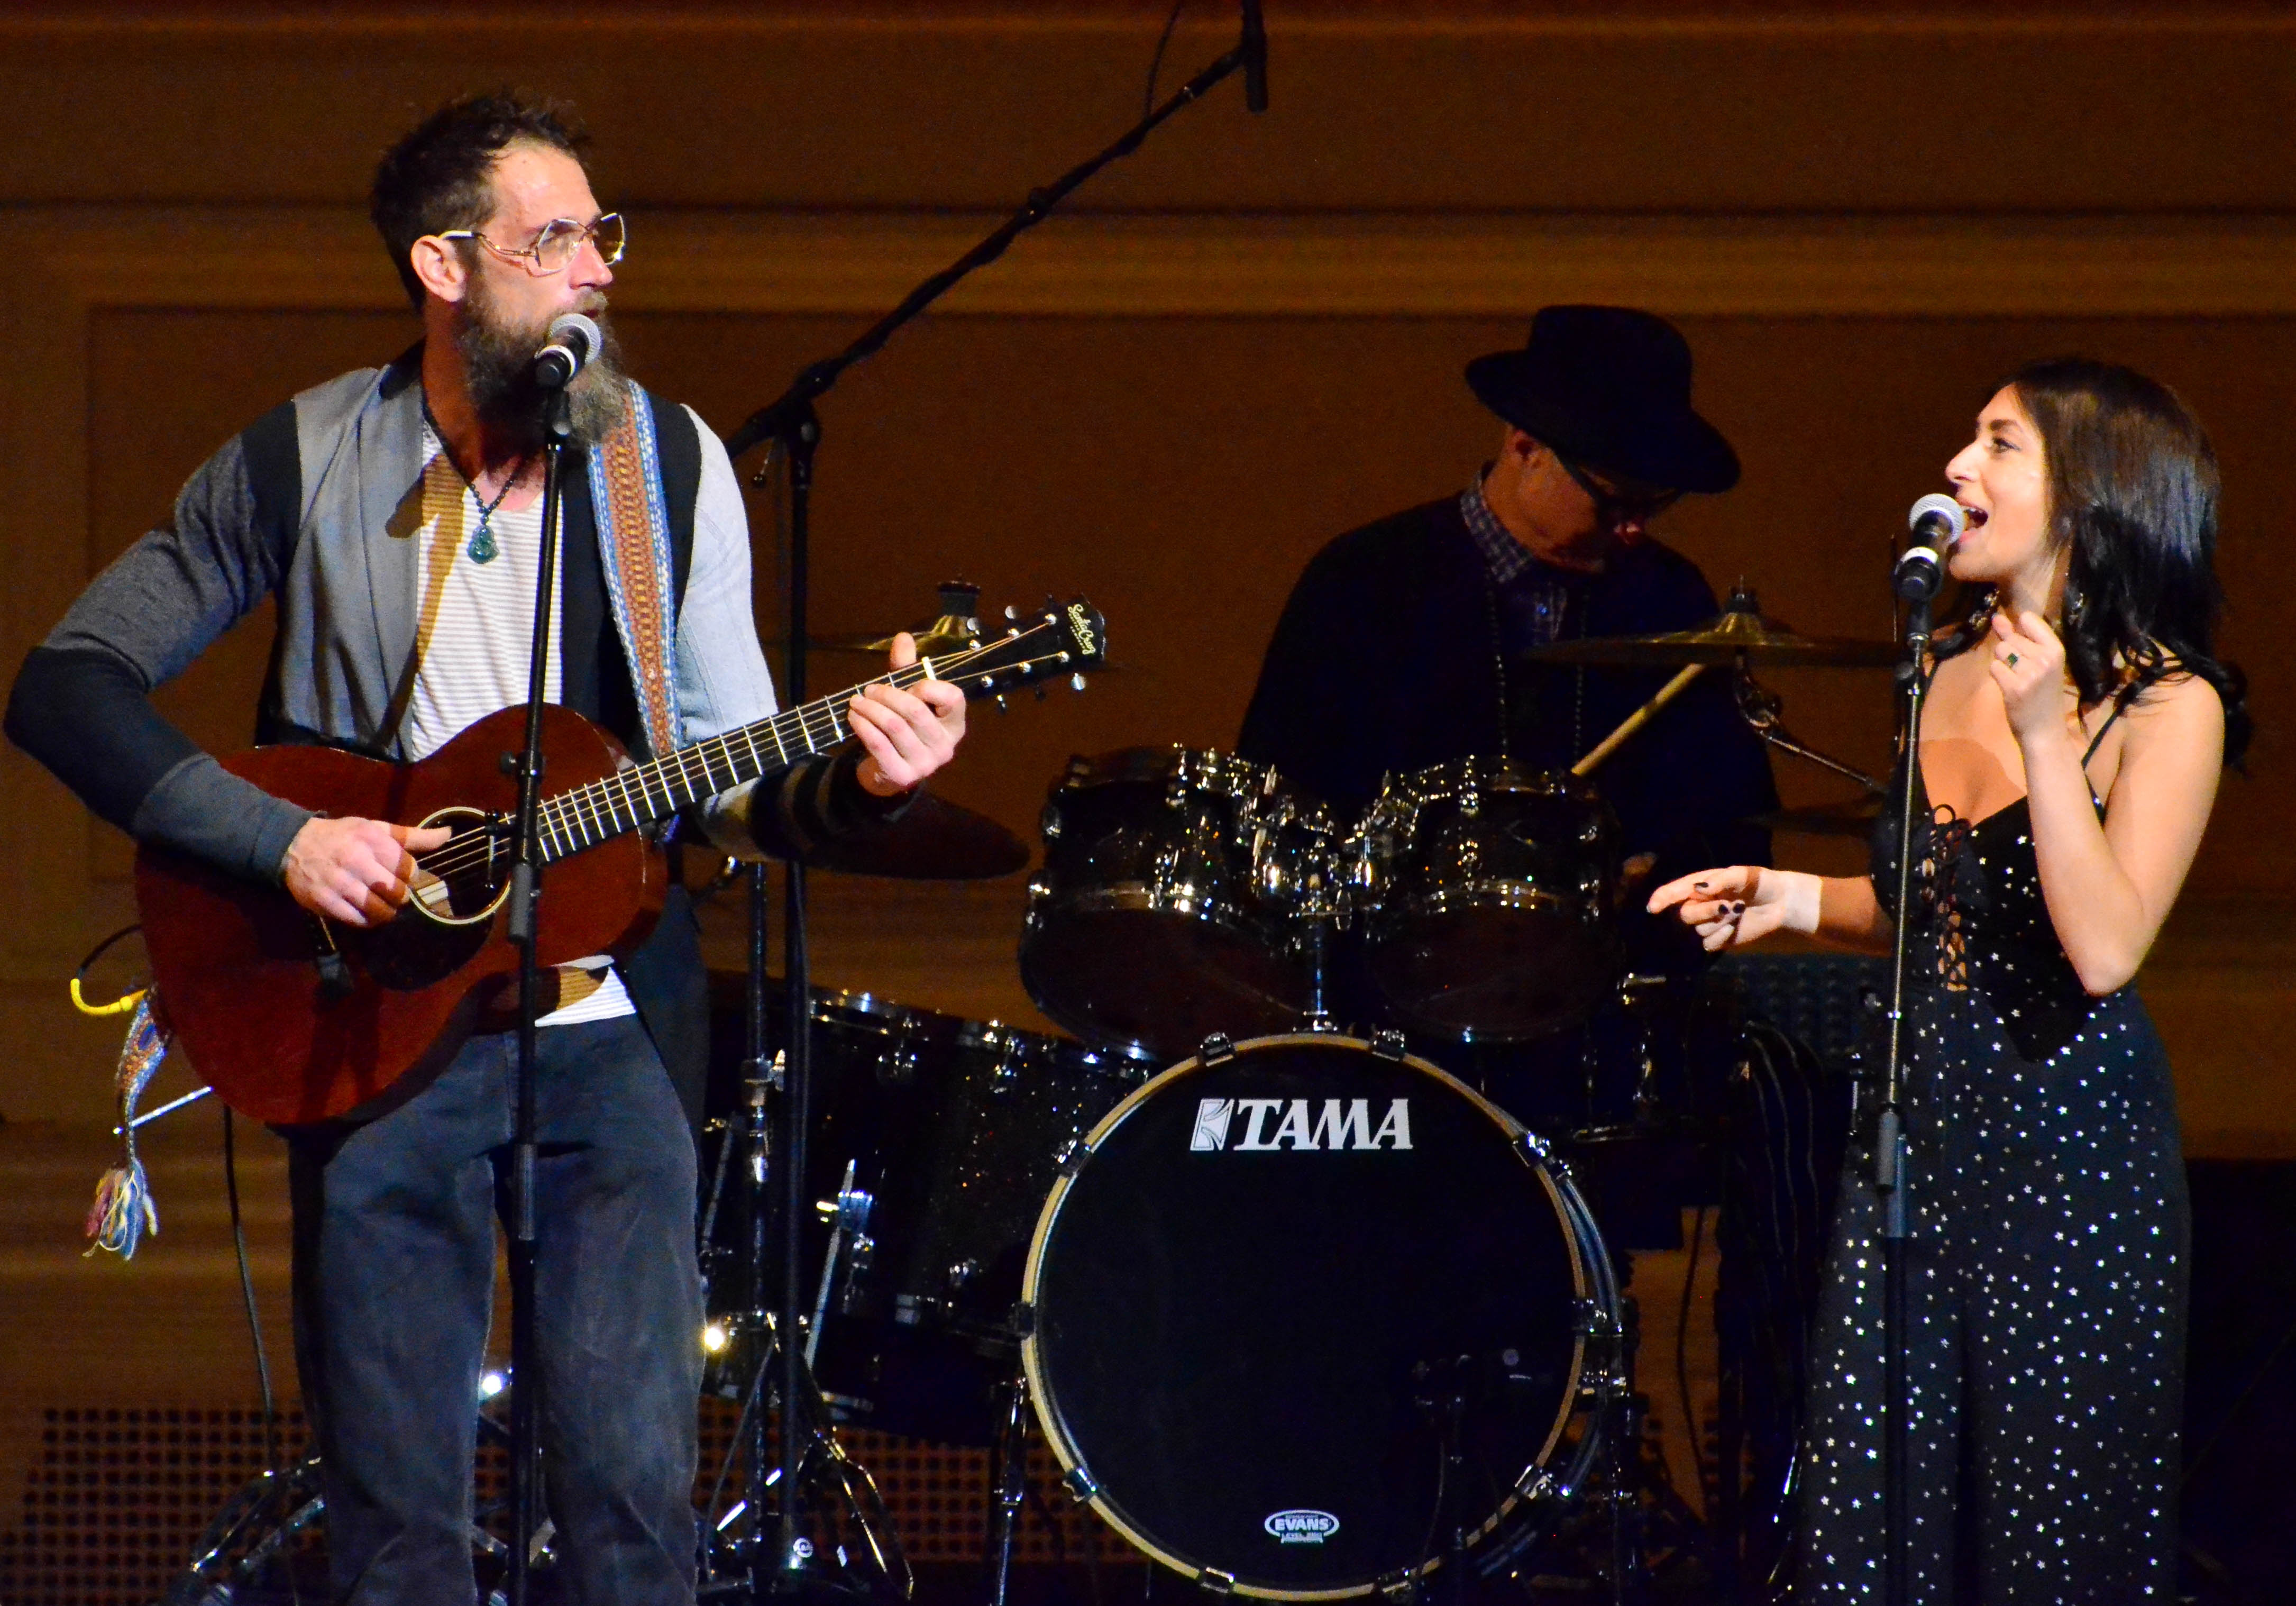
(1301, 1528)
(1340, 1124)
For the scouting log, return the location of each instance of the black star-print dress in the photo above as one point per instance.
(2045, 1267)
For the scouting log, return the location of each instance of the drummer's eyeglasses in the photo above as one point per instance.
(555, 248)
(1615, 504)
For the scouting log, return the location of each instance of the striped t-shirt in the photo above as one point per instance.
(474, 630)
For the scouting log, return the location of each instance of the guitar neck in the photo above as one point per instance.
(638, 797)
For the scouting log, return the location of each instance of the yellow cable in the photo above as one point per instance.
(119, 1006)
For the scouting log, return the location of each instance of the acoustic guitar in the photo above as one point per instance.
(291, 1018)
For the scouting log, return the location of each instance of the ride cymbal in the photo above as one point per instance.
(1738, 633)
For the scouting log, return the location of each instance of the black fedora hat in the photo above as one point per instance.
(1608, 388)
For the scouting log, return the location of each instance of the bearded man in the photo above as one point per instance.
(395, 516)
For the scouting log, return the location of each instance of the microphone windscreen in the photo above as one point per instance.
(1938, 504)
(577, 332)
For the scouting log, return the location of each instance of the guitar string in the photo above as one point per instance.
(560, 819)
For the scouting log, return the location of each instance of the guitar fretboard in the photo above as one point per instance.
(638, 797)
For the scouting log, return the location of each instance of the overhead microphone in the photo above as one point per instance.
(574, 341)
(1936, 522)
(1255, 58)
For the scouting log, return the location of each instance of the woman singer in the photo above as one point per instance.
(2068, 757)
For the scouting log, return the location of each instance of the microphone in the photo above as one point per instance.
(1255, 58)
(1936, 521)
(574, 341)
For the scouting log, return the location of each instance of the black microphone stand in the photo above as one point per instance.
(1916, 584)
(792, 424)
(525, 897)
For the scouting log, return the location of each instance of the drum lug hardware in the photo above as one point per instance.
(1398, 1587)
(1213, 1581)
(1022, 1319)
(1537, 1149)
(1070, 1157)
(1080, 1485)
(1215, 1049)
(1387, 1044)
(1592, 1321)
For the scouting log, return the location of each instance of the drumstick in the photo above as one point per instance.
(1635, 721)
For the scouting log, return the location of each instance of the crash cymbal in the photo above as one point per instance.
(956, 627)
(1738, 633)
(934, 840)
(1853, 817)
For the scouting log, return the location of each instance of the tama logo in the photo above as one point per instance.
(1301, 1528)
(1340, 1124)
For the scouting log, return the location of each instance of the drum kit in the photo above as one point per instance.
(1301, 1314)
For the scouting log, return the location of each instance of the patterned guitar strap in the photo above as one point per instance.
(633, 519)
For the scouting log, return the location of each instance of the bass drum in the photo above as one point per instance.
(1254, 1291)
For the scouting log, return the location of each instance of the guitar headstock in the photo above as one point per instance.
(1062, 638)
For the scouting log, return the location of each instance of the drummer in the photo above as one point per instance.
(1402, 646)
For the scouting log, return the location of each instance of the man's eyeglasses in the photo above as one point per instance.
(560, 241)
(1616, 504)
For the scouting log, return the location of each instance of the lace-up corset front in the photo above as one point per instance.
(1980, 916)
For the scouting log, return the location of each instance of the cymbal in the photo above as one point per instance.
(1739, 632)
(954, 628)
(1853, 817)
(934, 840)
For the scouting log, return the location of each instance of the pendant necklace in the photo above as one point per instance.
(481, 547)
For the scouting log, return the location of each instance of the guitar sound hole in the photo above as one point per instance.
(447, 915)
(463, 880)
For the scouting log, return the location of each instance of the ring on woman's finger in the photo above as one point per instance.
(2011, 661)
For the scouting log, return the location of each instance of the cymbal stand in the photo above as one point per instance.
(1008, 1479)
(1759, 708)
(791, 423)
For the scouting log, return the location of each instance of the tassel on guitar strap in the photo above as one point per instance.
(124, 1210)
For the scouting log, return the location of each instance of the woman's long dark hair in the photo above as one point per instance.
(2133, 492)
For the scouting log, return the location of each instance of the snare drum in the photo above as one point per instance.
(1257, 1290)
(1173, 898)
(1492, 910)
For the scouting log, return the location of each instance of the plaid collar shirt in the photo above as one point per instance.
(1535, 595)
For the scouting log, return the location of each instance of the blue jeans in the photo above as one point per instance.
(394, 1289)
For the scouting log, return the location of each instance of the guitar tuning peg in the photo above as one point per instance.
(1076, 683)
(1002, 707)
(1011, 613)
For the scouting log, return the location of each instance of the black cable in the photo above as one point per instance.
(1681, 1356)
(1155, 66)
(271, 1463)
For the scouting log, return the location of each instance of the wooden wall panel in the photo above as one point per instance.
(1251, 343)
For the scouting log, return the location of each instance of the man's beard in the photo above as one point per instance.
(498, 371)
